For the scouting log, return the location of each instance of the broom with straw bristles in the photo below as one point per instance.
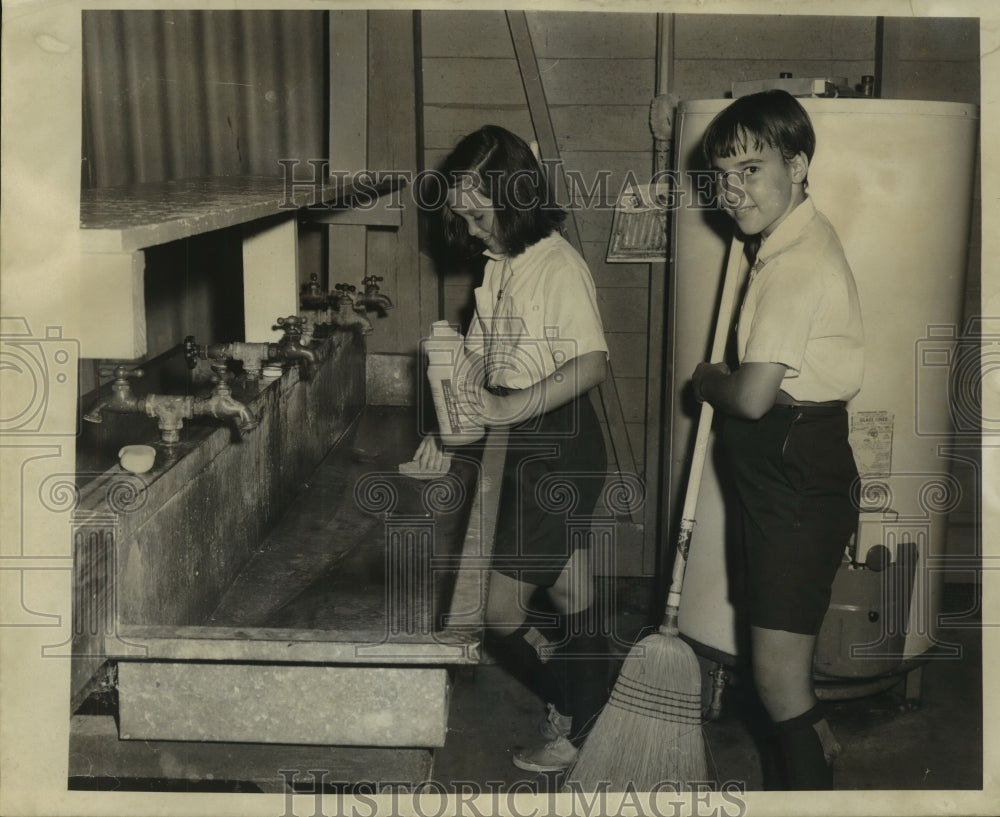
(649, 732)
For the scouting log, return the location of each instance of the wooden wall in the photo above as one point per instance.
(936, 58)
(394, 138)
(711, 51)
(598, 71)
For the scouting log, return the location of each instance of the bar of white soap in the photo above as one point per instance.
(137, 458)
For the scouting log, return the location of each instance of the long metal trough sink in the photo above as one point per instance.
(250, 594)
(367, 565)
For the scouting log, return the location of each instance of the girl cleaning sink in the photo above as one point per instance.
(535, 349)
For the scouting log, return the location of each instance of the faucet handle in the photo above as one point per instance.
(221, 376)
(292, 324)
(312, 288)
(344, 291)
(121, 373)
(372, 280)
(193, 351)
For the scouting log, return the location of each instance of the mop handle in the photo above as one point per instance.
(723, 321)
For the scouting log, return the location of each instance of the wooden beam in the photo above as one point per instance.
(538, 108)
(888, 37)
(392, 147)
(382, 213)
(348, 137)
(545, 135)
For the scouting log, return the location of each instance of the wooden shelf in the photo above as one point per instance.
(125, 219)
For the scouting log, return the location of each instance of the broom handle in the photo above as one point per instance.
(723, 322)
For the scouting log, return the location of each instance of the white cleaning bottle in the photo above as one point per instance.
(445, 353)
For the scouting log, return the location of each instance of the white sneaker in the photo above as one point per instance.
(555, 756)
(556, 725)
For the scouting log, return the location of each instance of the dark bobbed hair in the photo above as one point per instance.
(770, 118)
(501, 167)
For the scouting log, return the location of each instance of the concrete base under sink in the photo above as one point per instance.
(281, 703)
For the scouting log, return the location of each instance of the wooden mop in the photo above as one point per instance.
(649, 733)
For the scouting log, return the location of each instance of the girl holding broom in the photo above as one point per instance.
(801, 350)
(536, 348)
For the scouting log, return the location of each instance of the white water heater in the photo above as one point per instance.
(895, 179)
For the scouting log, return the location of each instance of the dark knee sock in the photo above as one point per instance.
(521, 660)
(584, 662)
(802, 755)
(772, 768)
(764, 735)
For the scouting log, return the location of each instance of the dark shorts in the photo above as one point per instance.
(796, 478)
(553, 478)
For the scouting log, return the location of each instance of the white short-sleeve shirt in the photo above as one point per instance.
(802, 310)
(534, 312)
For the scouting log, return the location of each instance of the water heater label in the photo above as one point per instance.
(871, 440)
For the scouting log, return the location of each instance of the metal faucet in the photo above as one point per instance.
(312, 297)
(252, 355)
(373, 298)
(221, 403)
(169, 410)
(314, 303)
(121, 400)
(342, 309)
(347, 314)
(295, 343)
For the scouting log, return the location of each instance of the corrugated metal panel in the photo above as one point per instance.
(178, 94)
